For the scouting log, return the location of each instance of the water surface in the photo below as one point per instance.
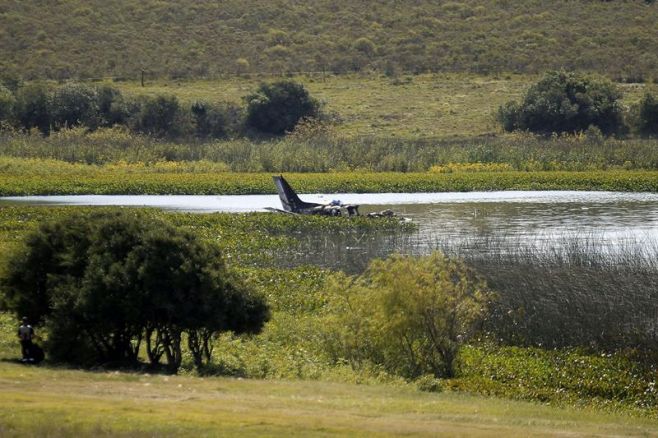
(609, 219)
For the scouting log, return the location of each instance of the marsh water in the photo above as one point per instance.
(604, 221)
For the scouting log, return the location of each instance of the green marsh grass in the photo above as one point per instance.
(322, 149)
(49, 177)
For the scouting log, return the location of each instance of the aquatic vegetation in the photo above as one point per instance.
(471, 167)
(50, 177)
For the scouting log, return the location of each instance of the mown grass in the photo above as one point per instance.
(54, 402)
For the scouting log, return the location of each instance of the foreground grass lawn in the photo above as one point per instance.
(51, 402)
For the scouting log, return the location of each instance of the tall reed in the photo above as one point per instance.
(325, 151)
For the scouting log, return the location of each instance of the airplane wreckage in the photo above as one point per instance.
(293, 205)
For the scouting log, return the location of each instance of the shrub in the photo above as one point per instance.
(112, 108)
(409, 315)
(107, 282)
(214, 121)
(158, 116)
(31, 109)
(277, 108)
(565, 102)
(429, 383)
(7, 102)
(365, 46)
(648, 115)
(241, 66)
(74, 104)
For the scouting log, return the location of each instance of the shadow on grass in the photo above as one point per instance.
(138, 368)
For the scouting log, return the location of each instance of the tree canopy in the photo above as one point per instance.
(276, 108)
(566, 102)
(104, 283)
(408, 315)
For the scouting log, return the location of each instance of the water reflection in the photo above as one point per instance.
(473, 222)
(469, 228)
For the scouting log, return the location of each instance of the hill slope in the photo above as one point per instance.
(75, 38)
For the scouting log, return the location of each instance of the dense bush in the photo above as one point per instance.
(409, 315)
(566, 102)
(7, 103)
(158, 116)
(77, 104)
(276, 108)
(104, 283)
(648, 115)
(215, 121)
(32, 107)
(113, 109)
(74, 104)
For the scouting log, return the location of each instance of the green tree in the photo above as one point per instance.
(215, 121)
(277, 108)
(7, 104)
(409, 315)
(112, 107)
(105, 283)
(648, 115)
(159, 116)
(74, 104)
(32, 109)
(566, 102)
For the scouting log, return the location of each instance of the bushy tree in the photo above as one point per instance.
(214, 121)
(158, 116)
(648, 115)
(112, 107)
(277, 108)
(74, 104)
(7, 103)
(105, 283)
(32, 109)
(409, 315)
(566, 102)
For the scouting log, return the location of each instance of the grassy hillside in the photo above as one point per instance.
(74, 38)
(422, 106)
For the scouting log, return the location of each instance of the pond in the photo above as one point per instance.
(481, 221)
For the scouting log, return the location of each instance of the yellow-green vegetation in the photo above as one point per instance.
(411, 315)
(41, 177)
(318, 150)
(246, 239)
(188, 38)
(58, 402)
(566, 374)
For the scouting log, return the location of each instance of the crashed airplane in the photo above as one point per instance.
(292, 204)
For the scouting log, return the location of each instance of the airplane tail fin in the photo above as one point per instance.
(289, 199)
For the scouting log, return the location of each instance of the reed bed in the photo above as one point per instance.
(572, 292)
(322, 149)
